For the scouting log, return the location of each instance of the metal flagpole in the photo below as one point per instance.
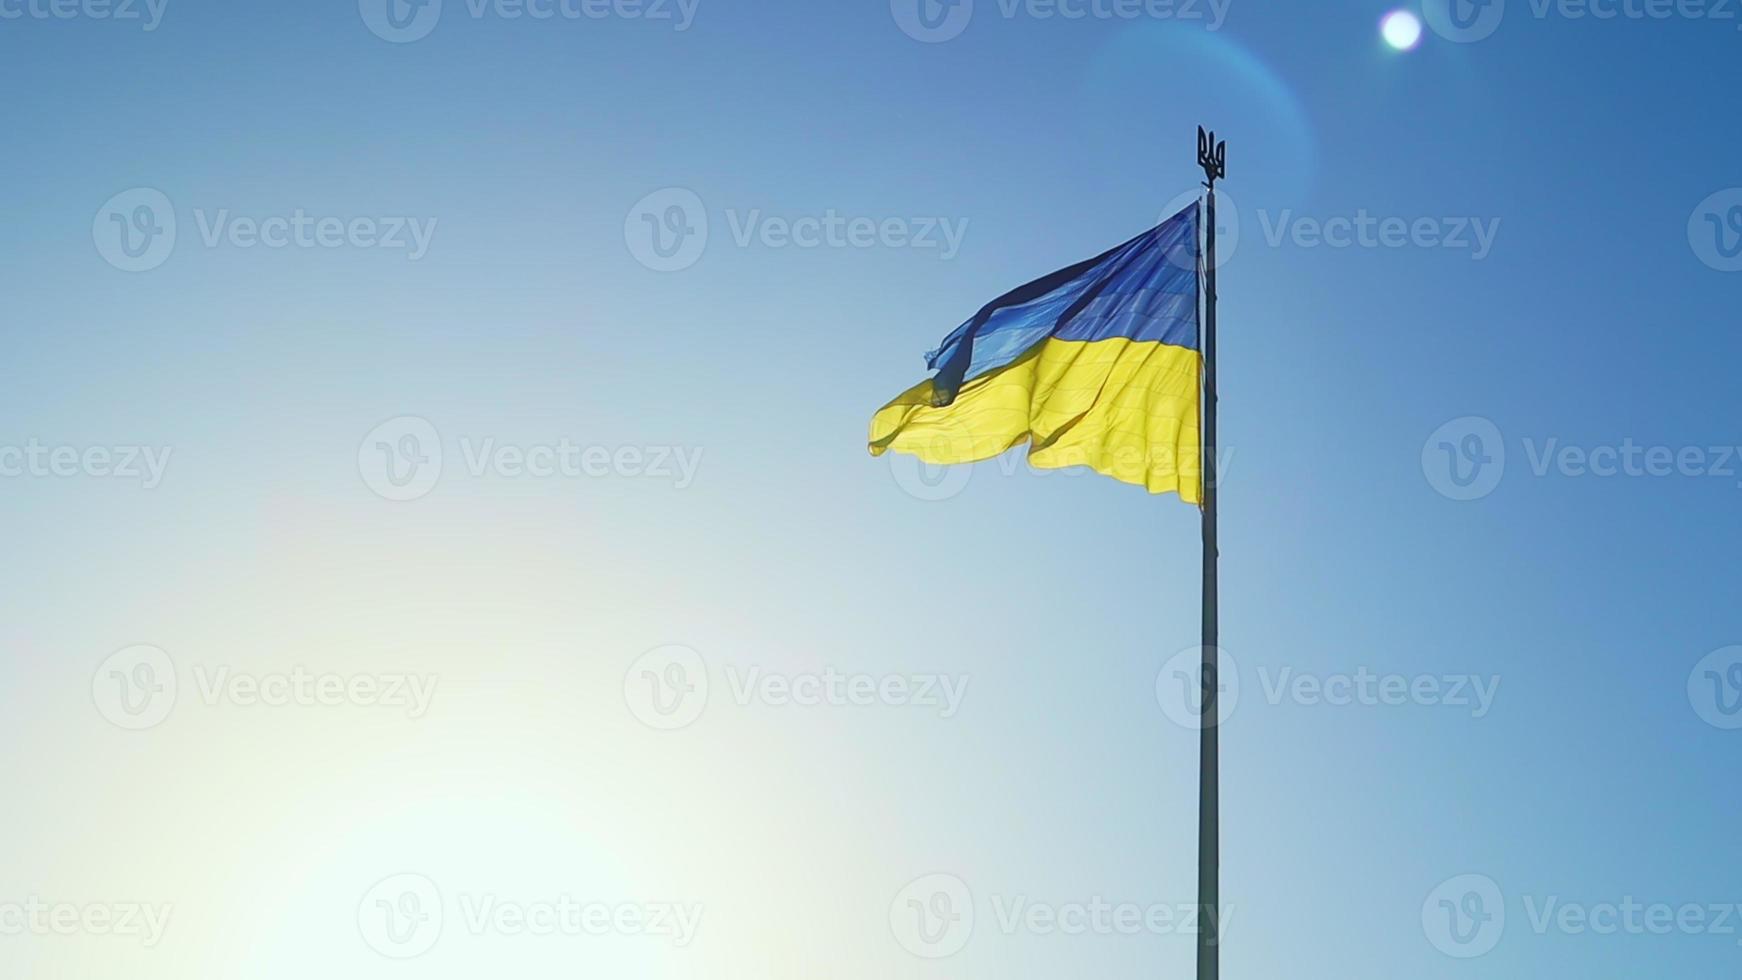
(1212, 156)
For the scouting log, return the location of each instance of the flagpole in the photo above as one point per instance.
(1212, 156)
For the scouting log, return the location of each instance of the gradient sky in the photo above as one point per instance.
(1602, 313)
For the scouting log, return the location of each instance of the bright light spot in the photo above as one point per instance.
(1401, 29)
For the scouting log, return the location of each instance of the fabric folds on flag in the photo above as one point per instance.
(1097, 365)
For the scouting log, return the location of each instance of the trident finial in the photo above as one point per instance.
(1212, 156)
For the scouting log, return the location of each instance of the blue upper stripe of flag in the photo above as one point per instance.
(1145, 289)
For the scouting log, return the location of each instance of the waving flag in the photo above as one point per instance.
(1097, 365)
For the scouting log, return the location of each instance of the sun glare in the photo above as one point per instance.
(1401, 29)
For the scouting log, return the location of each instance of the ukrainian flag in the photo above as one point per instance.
(1096, 365)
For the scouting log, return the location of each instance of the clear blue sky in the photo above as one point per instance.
(1592, 317)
